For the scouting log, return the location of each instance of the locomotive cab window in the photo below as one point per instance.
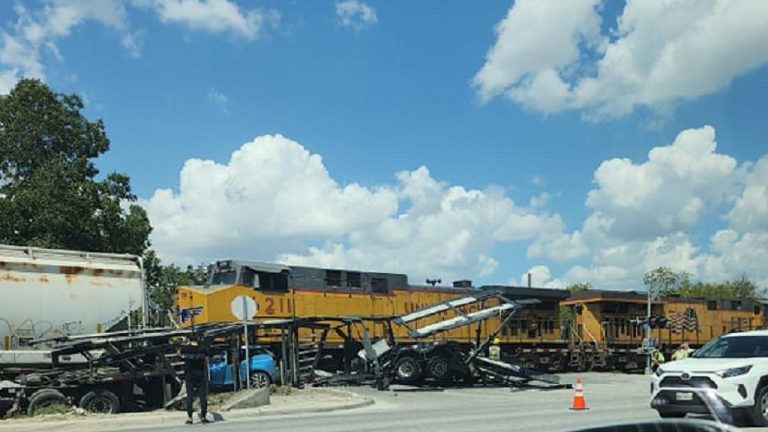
(224, 277)
(273, 281)
(264, 281)
(354, 280)
(249, 278)
(711, 305)
(379, 285)
(333, 278)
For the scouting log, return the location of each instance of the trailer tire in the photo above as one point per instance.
(407, 370)
(45, 397)
(439, 368)
(100, 401)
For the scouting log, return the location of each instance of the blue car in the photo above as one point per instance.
(262, 369)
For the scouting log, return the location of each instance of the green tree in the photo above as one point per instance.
(163, 279)
(666, 281)
(741, 288)
(679, 284)
(49, 192)
(566, 312)
(579, 287)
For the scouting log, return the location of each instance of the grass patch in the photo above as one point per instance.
(57, 408)
(282, 390)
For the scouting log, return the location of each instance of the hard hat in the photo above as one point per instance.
(496, 341)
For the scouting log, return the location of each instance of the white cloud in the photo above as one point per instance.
(736, 254)
(216, 16)
(556, 245)
(751, 209)
(36, 32)
(641, 210)
(355, 14)
(533, 38)
(539, 200)
(641, 213)
(219, 99)
(541, 277)
(275, 200)
(669, 192)
(552, 57)
(134, 43)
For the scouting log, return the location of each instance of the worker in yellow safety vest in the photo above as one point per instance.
(683, 352)
(657, 358)
(494, 351)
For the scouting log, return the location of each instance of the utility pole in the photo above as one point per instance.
(648, 333)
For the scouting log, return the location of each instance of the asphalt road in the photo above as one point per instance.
(611, 398)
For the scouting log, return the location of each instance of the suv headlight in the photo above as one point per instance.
(659, 372)
(732, 372)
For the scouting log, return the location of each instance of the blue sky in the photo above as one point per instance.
(439, 139)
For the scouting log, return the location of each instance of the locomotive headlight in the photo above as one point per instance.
(732, 372)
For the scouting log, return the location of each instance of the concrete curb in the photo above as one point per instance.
(164, 418)
(262, 412)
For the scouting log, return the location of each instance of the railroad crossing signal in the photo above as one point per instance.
(652, 322)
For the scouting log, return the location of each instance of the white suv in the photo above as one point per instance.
(728, 375)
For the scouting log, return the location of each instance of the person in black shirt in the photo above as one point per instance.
(195, 356)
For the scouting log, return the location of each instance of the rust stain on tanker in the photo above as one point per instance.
(71, 270)
(43, 279)
(8, 277)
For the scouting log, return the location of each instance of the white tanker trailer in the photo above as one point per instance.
(46, 293)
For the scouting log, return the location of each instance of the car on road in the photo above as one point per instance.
(728, 377)
(263, 371)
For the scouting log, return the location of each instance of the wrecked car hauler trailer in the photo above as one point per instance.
(431, 361)
(50, 293)
(123, 371)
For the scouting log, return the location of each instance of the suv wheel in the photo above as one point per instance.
(759, 412)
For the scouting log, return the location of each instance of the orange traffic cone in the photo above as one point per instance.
(578, 398)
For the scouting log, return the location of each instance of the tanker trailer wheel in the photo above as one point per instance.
(438, 368)
(45, 398)
(407, 370)
(100, 401)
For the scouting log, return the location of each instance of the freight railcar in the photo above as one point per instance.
(614, 322)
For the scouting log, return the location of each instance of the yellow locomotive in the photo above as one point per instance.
(602, 329)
